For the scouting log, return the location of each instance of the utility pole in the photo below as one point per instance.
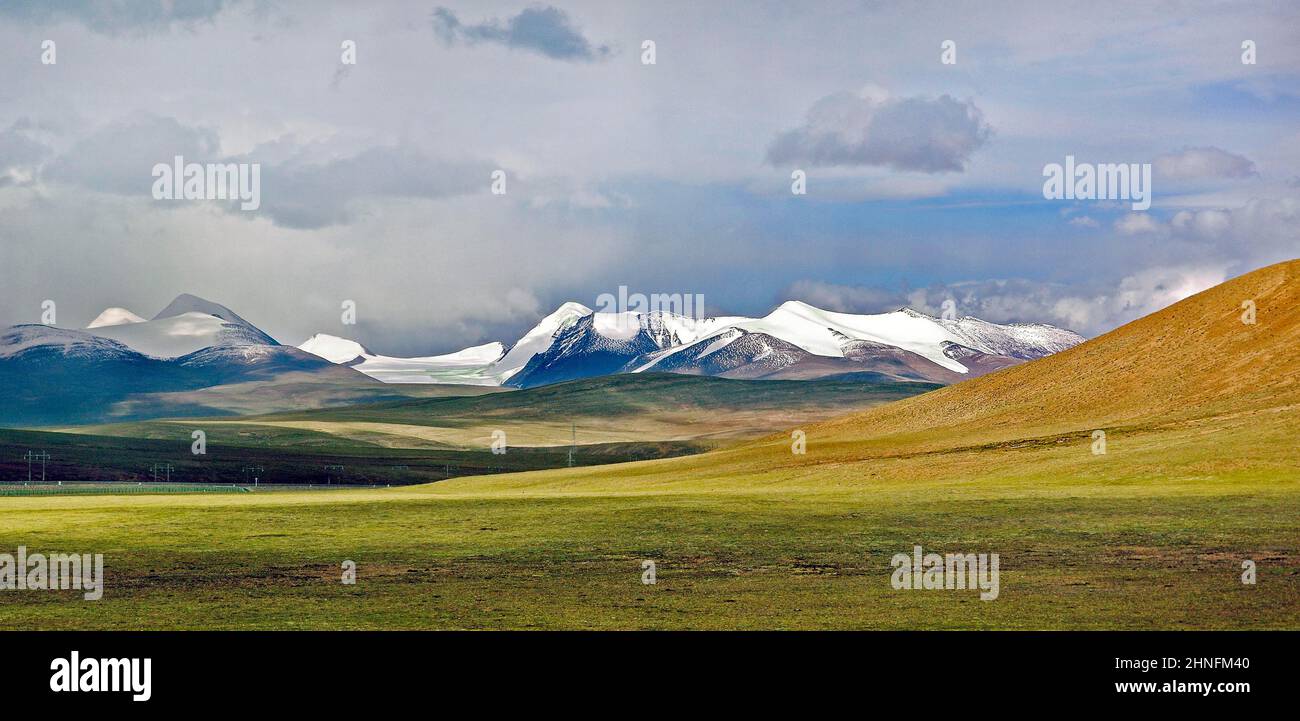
(256, 471)
(338, 468)
(574, 445)
(166, 468)
(34, 456)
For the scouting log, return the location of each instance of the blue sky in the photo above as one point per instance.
(923, 179)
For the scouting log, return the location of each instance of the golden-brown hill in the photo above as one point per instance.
(1194, 359)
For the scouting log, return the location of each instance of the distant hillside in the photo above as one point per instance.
(638, 408)
(631, 395)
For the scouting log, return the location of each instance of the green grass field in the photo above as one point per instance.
(1152, 535)
(15, 490)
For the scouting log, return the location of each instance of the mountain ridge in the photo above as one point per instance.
(795, 341)
(51, 375)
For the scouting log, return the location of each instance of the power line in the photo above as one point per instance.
(256, 471)
(328, 476)
(34, 456)
(166, 468)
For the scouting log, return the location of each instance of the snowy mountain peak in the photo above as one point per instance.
(186, 325)
(539, 339)
(570, 308)
(795, 306)
(114, 316)
(334, 349)
(186, 303)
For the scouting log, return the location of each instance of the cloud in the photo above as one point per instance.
(302, 186)
(20, 150)
(17, 146)
(1084, 221)
(119, 157)
(1210, 223)
(114, 17)
(1200, 163)
(545, 30)
(1137, 223)
(1135, 295)
(306, 193)
(1019, 300)
(845, 298)
(340, 74)
(1259, 223)
(930, 135)
(1015, 300)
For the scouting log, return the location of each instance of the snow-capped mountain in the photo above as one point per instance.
(188, 324)
(490, 364)
(114, 316)
(905, 344)
(539, 339)
(594, 345)
(795, 341)
(54, 375)
(471, 366)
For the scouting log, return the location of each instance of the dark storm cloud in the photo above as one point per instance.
(113, 17)
(546, 30)
(930, 135)
(119, 157)
(302, 186)
(303, 193)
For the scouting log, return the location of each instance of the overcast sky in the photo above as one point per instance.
(924, 180)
